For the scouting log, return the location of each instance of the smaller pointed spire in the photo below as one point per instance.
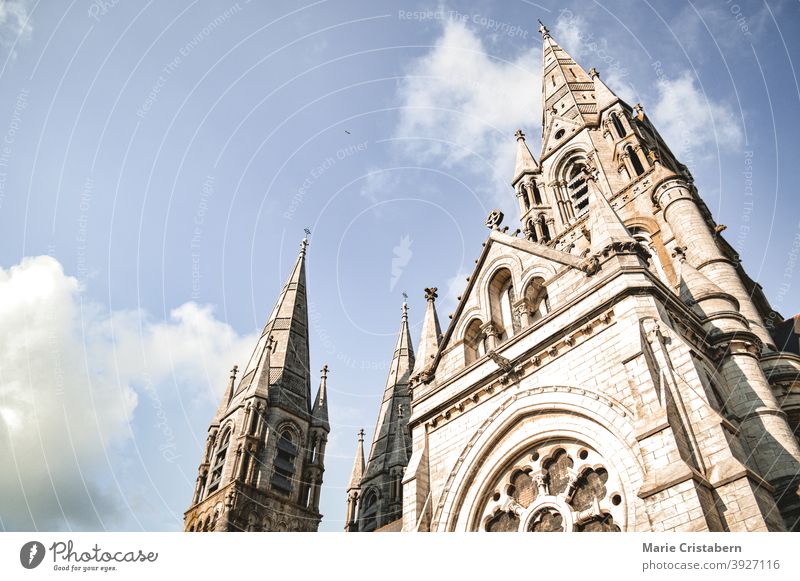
(693, 286)
(605, 226)
(358, 464)
(428, 344)
(320, 411)
(604, 96)
(525, 162)
(226, 398)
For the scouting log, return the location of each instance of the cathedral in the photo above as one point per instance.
(609, 367)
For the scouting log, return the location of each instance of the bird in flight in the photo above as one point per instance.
(346, 131)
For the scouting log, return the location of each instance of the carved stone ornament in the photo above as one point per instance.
(494, 219)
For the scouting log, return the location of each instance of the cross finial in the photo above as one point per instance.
(543, 30)
(234, 371)
(519, 135)
(679, 253)
(304, 242)
(361, 435)
(324, 371)
(430, 293)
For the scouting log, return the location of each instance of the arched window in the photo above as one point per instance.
(537, 196)
(369, 511)
(617, 124)
(530, 228)
(536, 298)
(474, 342)
(283, 469)
(219, 461)
(255, 468)
(643, 237)
(254, 416)
(525, 199)
(501, 300)
(545, 229)
(577, 188)
(635, 161)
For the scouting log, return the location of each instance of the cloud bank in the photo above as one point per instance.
(71, 377)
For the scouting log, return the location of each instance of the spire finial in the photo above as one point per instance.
(324, 372)
(593, 73)
(543, 29)
(405, 306)
(519, 135)
(361, 435)
(430, 294)
(234, 371)
(304, 242)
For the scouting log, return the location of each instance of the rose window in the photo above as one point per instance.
(555, 487)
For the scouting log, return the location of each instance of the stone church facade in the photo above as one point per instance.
(609, 366)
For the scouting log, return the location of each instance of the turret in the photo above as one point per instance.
(354, 487)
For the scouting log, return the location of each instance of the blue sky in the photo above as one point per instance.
(159, 162)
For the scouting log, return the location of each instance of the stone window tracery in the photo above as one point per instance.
(556, 486)
(219, 461)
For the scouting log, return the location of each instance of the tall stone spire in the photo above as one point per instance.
(264, 458)
(568, 95)
(385, 465)
(319, 413)
(431, 332)
(279, 365)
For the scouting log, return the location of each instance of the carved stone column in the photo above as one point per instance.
(490, 331)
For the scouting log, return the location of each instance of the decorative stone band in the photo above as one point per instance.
(592, 263)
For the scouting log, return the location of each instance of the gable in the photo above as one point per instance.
(524, 260)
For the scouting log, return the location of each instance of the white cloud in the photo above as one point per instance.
(456, 285)
(71, 375)
(461, 107)
(15, 24)
(693, 123)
